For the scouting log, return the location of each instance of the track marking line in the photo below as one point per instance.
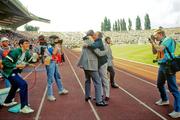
(141, 69)
(143, 80)
(31, 71)
(138, 68)
(41, 105)
(136, 62)
(77, 78)
(142, 103)
(131, 75)
(43, 98)
(135, 98)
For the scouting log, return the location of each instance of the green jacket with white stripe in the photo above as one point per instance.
(9, 62)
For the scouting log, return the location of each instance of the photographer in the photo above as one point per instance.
(160, 46)
(51, 61)
(13, 64)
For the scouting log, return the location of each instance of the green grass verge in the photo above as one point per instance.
(139, 53)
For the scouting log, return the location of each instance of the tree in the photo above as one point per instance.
(118, 25)
(130, 24)
(124, 25)
(31, 28)
(102, 26)
(105, 23)
(147, 23)
(138, 23)
(108, 25)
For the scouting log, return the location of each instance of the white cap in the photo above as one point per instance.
(4, 39)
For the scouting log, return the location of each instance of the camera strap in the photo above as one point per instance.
(170, 54)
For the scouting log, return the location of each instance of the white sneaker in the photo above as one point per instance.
(174, 114)
(64, 92)
(51, 98)
(26, 109)
(161, 103)
(9, 104)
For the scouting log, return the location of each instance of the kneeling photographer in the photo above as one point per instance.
(165, 47)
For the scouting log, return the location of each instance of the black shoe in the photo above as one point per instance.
(88, 98)
(1, 106)
(114, 86)
(106, 98)
(102, 103)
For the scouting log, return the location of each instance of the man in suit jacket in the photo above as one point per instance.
(89, 63)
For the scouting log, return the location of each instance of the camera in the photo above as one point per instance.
(154, 61)
(151, 38)
(85, 38)
(30, 47)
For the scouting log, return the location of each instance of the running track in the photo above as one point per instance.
(134, 100)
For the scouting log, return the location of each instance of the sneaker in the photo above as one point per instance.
(26, 109)
(174, 114)
(161, 103)
(9, 104)
(64, 92)
(51, 98)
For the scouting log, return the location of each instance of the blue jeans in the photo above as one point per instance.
(53, 72)
(172, 85)
(18, 82)
(7, 83)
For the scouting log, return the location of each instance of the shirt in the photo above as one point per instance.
(170, 44)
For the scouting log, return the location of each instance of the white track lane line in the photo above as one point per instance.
(42, 102)
(141, 69)
(90, 103)
(142, 103)
(31, 71)
(136, 62)
(131, 75)
(43, 98)
(135, 98)
(41, 105)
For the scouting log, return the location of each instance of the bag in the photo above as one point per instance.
(47, 60)
(174, 63)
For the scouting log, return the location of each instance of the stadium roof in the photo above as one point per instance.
(13, 14)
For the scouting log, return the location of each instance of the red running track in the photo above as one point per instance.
(134, 100)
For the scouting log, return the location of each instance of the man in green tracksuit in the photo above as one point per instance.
(13, 64)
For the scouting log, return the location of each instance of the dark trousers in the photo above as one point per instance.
(62, 58)
(94, 75)
(112, 74)
(18, 82)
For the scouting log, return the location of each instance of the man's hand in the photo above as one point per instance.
(21, 66)
(85, 45)
(31, 65)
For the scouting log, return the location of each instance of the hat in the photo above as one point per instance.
(158, 31)
(4, 39)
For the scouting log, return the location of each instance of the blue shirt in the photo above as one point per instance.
(170, 44)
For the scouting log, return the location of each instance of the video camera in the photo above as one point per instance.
(151, 38)
(85, 37)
